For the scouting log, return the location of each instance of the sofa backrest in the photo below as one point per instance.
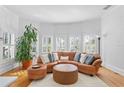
(97, 56)
(69, 54)
(72, 54)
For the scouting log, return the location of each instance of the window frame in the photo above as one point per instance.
(9, 44)
(79, 44)
(91, 37)
(46, 44)
(64, 37)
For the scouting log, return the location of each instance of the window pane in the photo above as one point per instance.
(5, 52)
(11, 52)
(12, 39)
(34, 47)
(5, 38)
(46, 44)
(89, 44)
(74, 43)
(8, 45)
(60, 44)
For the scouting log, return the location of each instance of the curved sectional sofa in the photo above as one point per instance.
(83, 68)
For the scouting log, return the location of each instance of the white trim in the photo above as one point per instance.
(115, 69)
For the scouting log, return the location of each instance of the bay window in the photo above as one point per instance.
(70, 42)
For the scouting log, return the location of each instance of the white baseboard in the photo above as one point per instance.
(115, 69)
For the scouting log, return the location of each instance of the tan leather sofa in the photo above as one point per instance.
(83, 68)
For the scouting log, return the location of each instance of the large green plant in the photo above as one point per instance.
(24, 43)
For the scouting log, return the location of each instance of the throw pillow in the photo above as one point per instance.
(89, 59)
(51, 57)
(56, 58)
(64, 58)
(45, 58)
(77, 57)
(83, 58)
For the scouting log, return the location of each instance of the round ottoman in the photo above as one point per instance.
(37, 73)
(65, 73)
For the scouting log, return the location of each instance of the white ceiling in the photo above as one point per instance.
(57, 13)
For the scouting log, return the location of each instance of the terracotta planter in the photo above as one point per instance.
(26, 64)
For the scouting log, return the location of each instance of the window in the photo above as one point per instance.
(60, 43)
(12, 46)
(69, 42)
(74, 43)
(89, 44)
(8, 45)
(46, 44)
(34, 48)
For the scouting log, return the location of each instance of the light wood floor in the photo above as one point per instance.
(22, 80)
(109, 77)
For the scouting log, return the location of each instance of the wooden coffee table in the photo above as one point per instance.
(65, 73)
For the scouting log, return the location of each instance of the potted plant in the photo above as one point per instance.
(24, 46)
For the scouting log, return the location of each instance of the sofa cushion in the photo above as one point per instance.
(73, 62)
(70, 54)
(89, 59)
(77, 57)
(83, 58)
(45, 59)
(87, 69)
(68, 62)
(56, 58)
(64, 58)
(51, 57)
(59, 54)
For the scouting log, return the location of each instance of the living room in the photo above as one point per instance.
(94, 32)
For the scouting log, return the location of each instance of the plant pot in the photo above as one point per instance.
(26, 64)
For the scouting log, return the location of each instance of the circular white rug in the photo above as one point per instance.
(83, 81)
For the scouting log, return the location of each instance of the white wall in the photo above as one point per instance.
(8, 23)
(113, 39)
(89, 26)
